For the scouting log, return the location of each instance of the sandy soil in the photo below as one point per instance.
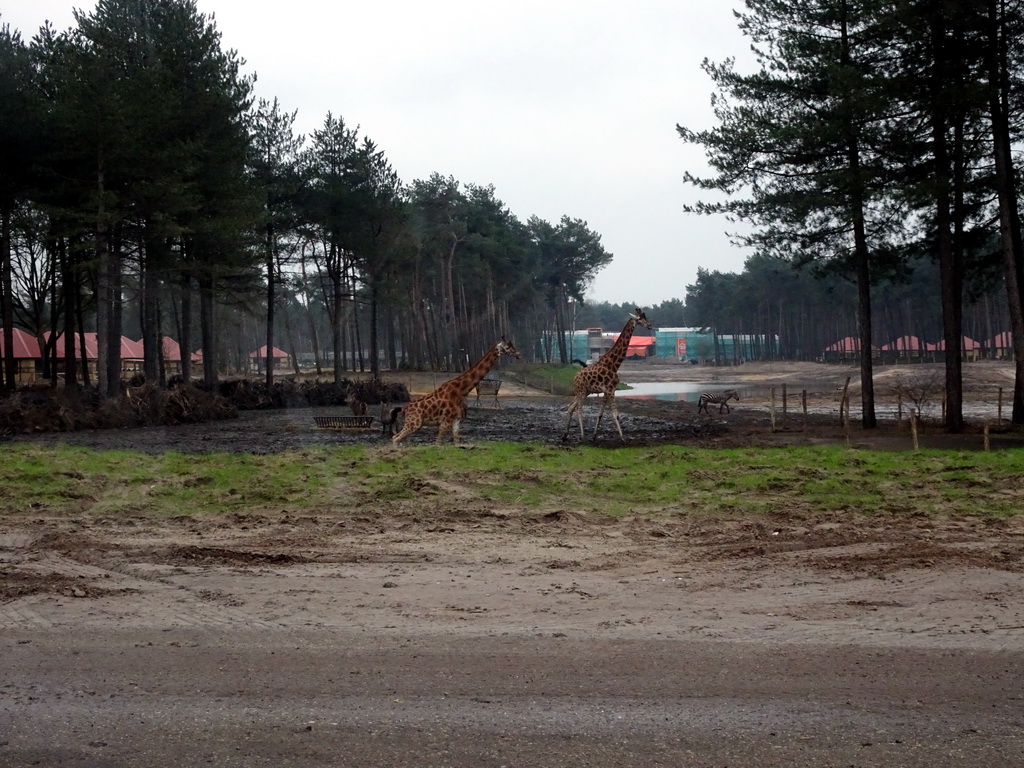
(884, 620)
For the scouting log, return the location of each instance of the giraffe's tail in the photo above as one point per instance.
(577, 360)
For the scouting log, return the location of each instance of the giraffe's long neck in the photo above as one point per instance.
(617, 352)
(463, 384)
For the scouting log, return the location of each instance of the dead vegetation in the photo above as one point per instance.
(51, 409)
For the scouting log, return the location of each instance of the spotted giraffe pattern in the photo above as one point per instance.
(602, 378)
(446, 405)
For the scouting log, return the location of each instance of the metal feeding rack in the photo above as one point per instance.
(344, 422)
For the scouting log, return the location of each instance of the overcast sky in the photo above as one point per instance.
(566, 108)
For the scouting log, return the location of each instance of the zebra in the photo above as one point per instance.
(721, 399)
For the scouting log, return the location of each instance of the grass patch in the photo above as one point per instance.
(668, 480)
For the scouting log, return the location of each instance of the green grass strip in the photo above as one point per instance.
(660, 481)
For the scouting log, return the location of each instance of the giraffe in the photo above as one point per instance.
(602, 377)
(446, 406)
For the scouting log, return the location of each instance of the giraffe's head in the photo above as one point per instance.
(506, 347)
(641, 319)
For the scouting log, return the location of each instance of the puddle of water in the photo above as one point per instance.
(676, 391)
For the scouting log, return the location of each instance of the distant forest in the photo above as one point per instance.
(145, 193)
(806, 312)
(872, 154)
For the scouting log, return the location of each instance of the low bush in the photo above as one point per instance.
(52, 409)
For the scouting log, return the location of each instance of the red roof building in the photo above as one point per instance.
(1002, 341)
(26, 354)
(170, 349)
(967, 344)
(847, 349)
(26, 346)
(261, 353)
(905, 344)
(847, 345)
(130, 350)
(260, 356)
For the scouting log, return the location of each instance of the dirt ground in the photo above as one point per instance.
(794, 640)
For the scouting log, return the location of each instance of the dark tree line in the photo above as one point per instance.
(874, 137)
(145, 192)
(800, 313)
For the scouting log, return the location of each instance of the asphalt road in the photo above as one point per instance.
(290, 698)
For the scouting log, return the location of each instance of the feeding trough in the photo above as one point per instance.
(344, 422)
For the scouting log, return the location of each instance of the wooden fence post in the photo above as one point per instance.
(773, 409)
(1000, 411)
(988, 445)
(913, 428)
(785, 401)
(803, 404)
(844, 403)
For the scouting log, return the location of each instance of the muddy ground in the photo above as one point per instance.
(438, 635)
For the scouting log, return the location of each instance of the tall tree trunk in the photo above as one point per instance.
(185, 334)
(337, 340)
(207, 331)
(10, 366)
(950, 267)
(560, 324)
(68, 300)
(271, 298)
(390, 340)
(104, 302)
(1012, 244)
(104, 342)
(115, 313)
(866, 334)
(862, 254)
(80, 324)
(448, 305)
(293, 350)
(357, 338)
(314, 336)
(152, 259)
(374, 353)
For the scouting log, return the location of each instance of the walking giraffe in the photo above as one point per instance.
(602, 377)
(446, 406)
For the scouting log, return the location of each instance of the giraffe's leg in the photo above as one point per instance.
(615, 415)
(455, 431)
(579, 416)
(442, 430)
(568, 422)
(600, 413)
(410, 426)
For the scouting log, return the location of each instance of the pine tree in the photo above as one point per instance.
(796, 153)
(19, 150)
(274, 167)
